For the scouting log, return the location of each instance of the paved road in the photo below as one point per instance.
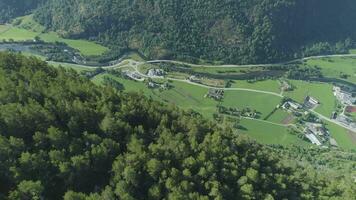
(333, 121)
(251, 65)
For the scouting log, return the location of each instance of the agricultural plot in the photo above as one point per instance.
(281, 117)
(86, 48)
(321, 91)
(3, 28)
(266, 85)
(17, 34)
(25, 28)
(344, 138)
(336, 67)
(269, 133)
(263, 103)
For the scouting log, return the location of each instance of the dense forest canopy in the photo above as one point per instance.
(13, 8)
(231, 31)
(63, 137)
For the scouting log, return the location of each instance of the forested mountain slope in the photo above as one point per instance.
(13, 8)
(232, 31)
(60, 135)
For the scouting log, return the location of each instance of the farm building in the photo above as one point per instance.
(155, 72)
(291, 105)
(313, 139)
(216, 94)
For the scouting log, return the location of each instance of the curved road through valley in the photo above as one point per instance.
(135, 64)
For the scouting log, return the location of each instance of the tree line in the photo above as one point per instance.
(63, 137)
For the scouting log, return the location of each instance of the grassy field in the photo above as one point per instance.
(267, 85)
(3, 28)
(86, 48)
(279, 116)
(25, 28)
(78, 68)
(334, 67)
(17, 34)
(263, 103)
(343, 137)
(270, 134)
(321, 91)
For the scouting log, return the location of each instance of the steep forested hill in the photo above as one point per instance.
(14, 8)
(233, 31)
(61, 136)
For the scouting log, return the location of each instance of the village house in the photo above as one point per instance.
(155, 72)
(216, 94)
(311, 102)
(291, 105)
(313, 139)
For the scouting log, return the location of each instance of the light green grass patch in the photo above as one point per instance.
(334, 67)
(3, 28)
(86, 48)
(270, 134)
(342, 136)
(279, 116)
(266, 85)
(261, 102)
(17, 34)
(76, 67)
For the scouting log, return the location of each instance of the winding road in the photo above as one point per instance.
(135, 64)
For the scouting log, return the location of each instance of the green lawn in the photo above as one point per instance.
(278, 116)
(17, 34)
(76, 67)
(86, 48)
(25, 28)
(321, 91)
(333, 67)
(270, 134)
(267, 85)
(263, 103)
(3, 28)
(342, 136)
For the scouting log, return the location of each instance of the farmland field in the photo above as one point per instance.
(344, 138)
(86, 48)
(17, 34)
(266, 85)
(263, 103)
(269, 133)
(279, 116)
(27, 29)
(335, 67)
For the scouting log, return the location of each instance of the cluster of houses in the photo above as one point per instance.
(344, 97)
(317, 134)
(154, 85)
(217, 94)
(347, 100)
(156, 73)
(311, 102)
(292, 106)
(133, 75)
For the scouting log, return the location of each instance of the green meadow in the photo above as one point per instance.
(265, 85)
(269, 133)
(335, 67)
(263, 103)
(343, 137)
(321, 91)
(25, 28)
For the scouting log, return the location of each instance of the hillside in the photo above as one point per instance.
(13, 8)
(241, 31)
(63, 136)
